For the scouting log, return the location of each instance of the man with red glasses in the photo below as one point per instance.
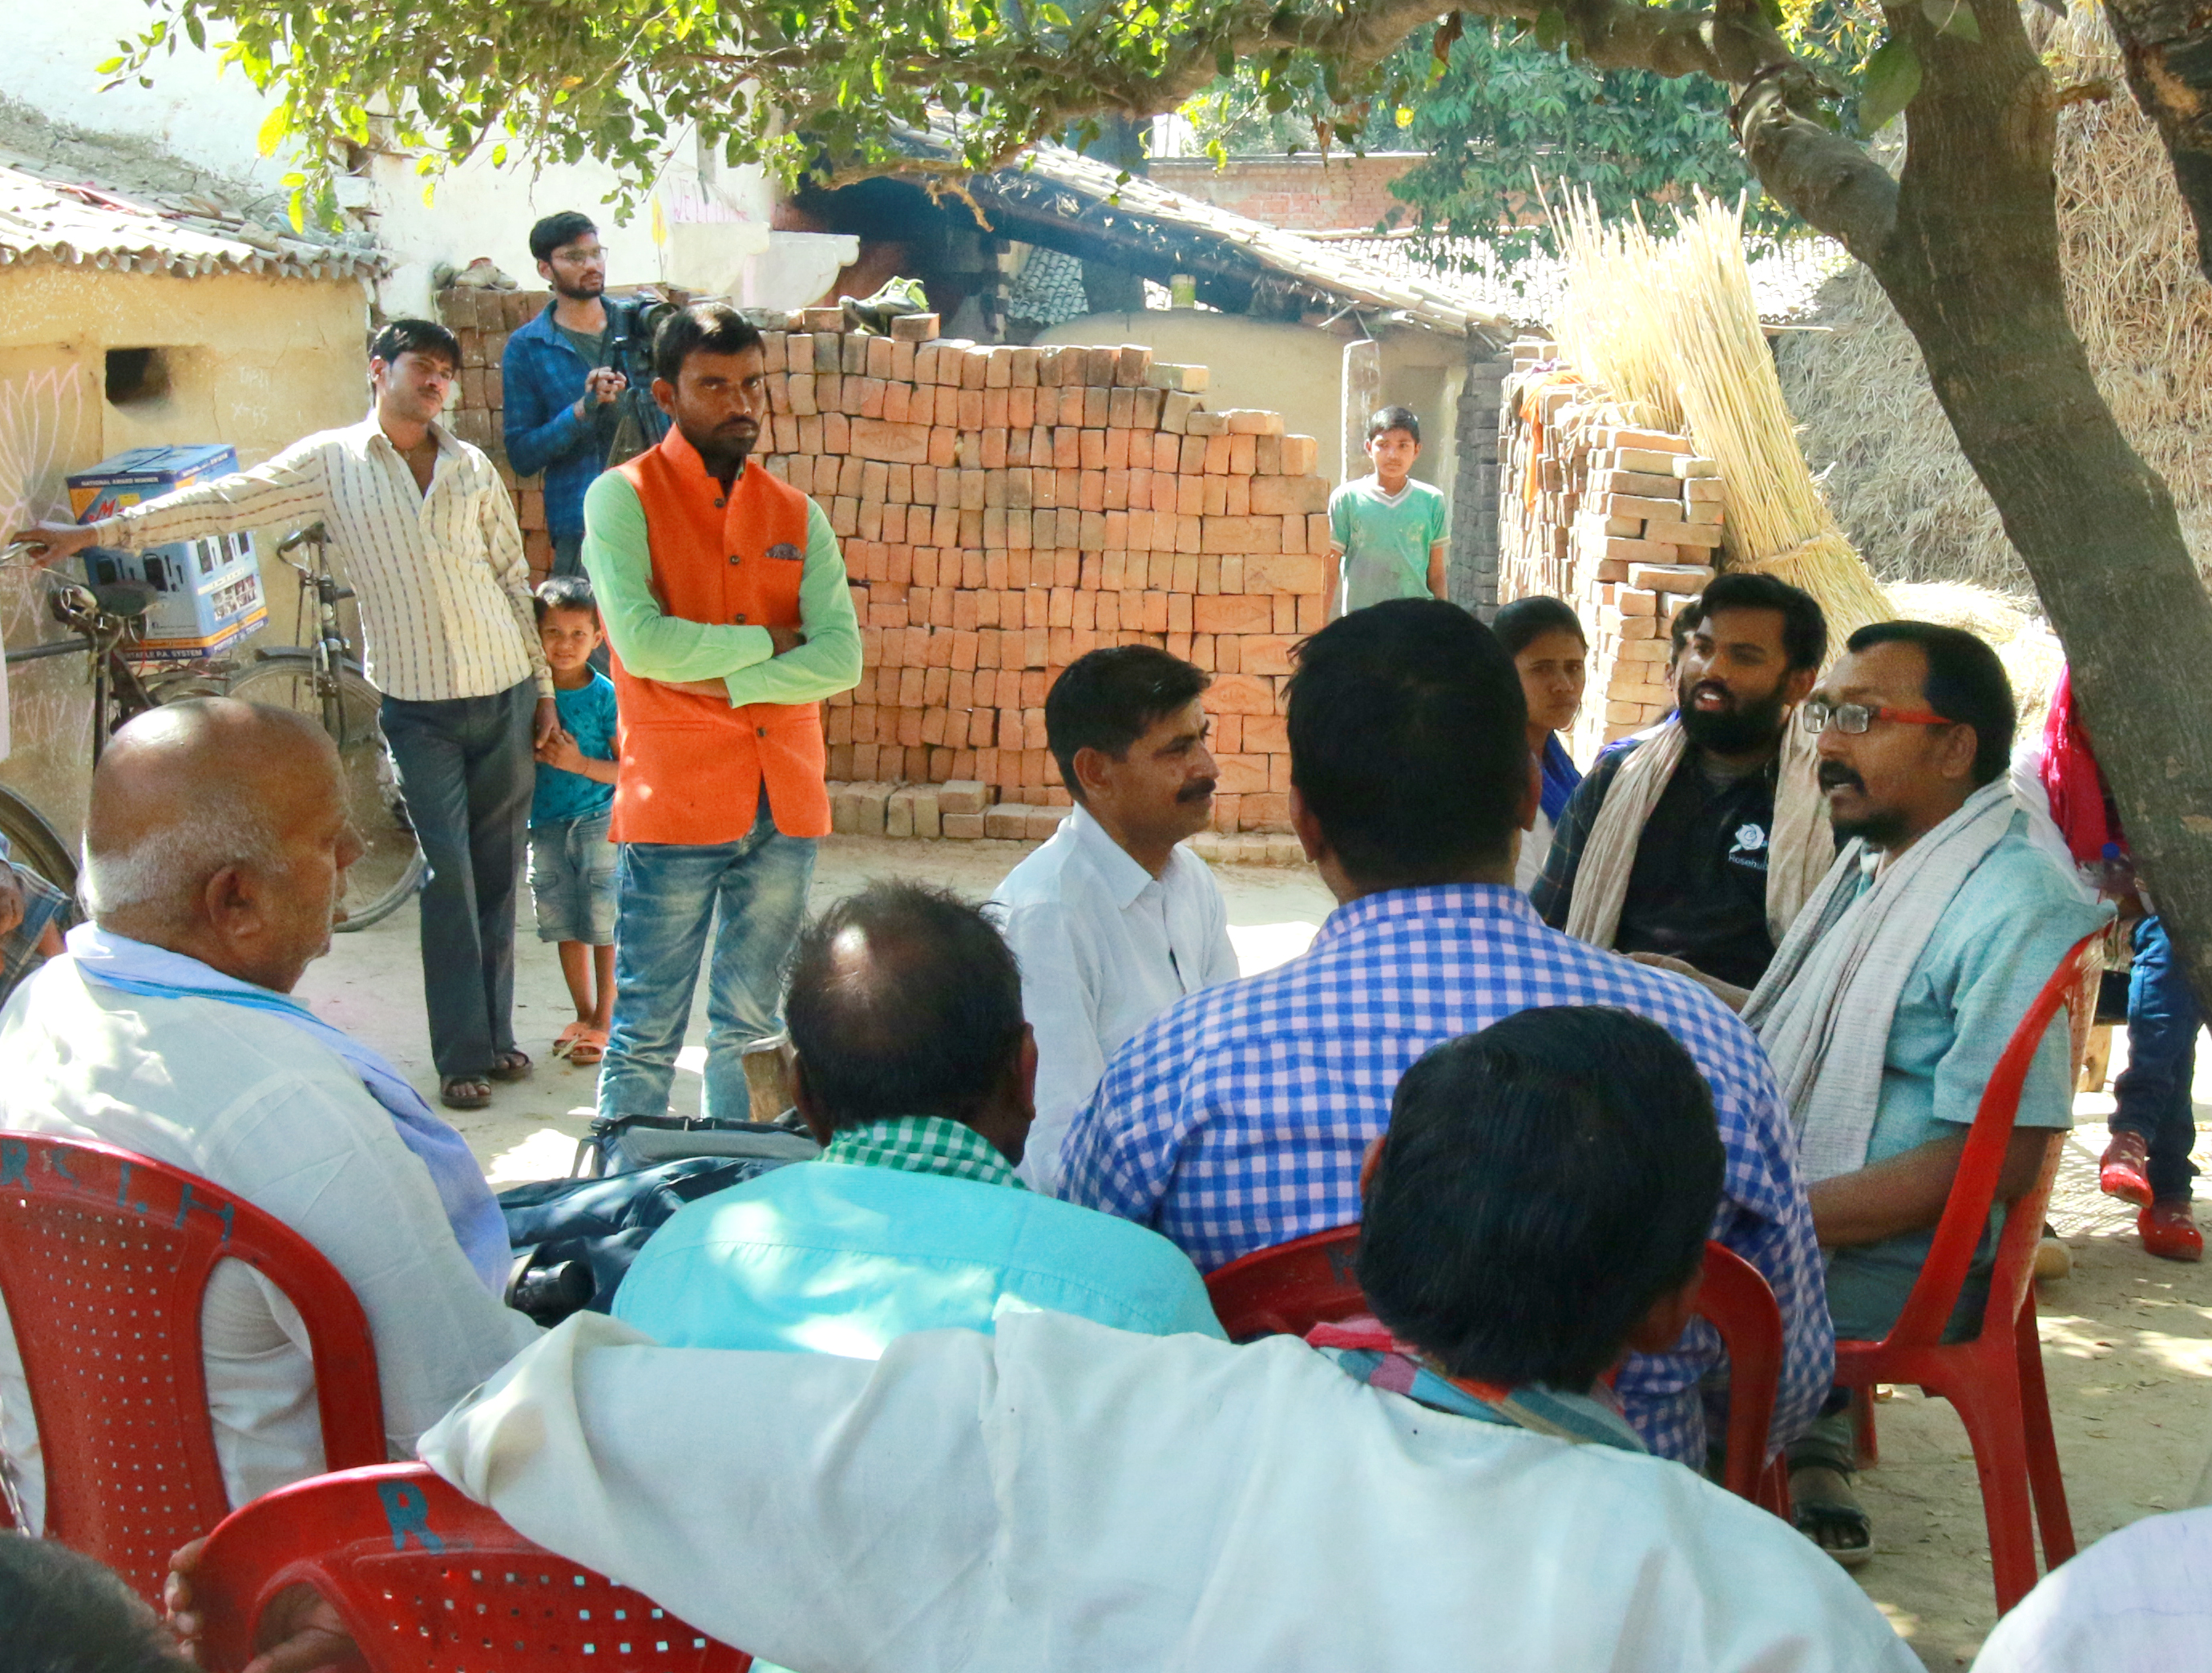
(1896, 990)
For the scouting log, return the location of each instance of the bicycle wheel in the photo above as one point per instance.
(391, 864)
(35, 844)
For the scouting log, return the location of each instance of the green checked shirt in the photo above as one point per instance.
(923, 1144)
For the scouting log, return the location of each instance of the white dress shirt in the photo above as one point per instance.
(1067, 1496)
(243, 1099)
(2137, 1600)
(1535, 843)
(443, 583)
(1104, 947)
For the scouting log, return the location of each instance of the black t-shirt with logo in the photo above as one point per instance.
(1698, 890)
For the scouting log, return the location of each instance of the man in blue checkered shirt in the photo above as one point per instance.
(1238, 1118)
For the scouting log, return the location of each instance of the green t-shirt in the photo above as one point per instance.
(1386, 540)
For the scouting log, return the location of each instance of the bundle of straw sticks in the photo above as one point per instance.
(1670, 323)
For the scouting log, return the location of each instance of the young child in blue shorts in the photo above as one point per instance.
(571, 864)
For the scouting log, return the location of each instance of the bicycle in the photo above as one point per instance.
(323, 681)
(104, 619)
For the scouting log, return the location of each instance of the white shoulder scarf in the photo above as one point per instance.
(1823, 1010)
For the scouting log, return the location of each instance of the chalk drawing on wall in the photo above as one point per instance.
(46, 419)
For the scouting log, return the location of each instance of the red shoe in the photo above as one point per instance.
(2169, 1231)
(2124, 1172)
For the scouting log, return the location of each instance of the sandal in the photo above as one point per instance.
(464, 1092)
(569, 1036)
(588, 1047)
(509, 1066)
(1828, 1513)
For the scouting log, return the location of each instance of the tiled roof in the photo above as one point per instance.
(1083, 191)
(1784, 277)
(47, 219)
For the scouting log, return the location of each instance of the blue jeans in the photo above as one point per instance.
(753, 894)
(2153, 1092)
(467, 771)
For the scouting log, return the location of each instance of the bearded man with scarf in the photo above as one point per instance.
(1699, 842)
(216, 850)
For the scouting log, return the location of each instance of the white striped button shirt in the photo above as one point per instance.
(443, 583)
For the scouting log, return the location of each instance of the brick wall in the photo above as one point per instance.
(483, 320)
(1004, 510)
(1621, 523)
(1303, 194)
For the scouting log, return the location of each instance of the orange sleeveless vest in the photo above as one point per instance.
(691, 766)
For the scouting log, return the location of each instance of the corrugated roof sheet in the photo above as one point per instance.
(82, 225)
(1438, 300)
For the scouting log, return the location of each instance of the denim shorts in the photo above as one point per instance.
(572, 880)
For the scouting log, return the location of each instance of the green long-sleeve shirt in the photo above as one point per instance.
(661, 646)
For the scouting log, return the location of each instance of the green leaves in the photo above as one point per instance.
(1892, 76)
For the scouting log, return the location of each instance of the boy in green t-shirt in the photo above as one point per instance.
(1387, 531)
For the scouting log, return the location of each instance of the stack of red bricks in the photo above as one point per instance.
(1622, 522)
(483, 319)
(1004, 510)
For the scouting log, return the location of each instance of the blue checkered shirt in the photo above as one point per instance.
(1238, 1118)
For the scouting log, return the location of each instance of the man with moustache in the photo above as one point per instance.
(1888, 1005)
(1700, 843)
(424, 532)
(1112, 919)
(723, 593)
(565, 378)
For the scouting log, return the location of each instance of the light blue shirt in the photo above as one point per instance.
(1985, 962)
(813, 1258)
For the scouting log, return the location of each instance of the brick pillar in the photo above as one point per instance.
(1472, 562)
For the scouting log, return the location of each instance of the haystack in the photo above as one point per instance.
(1893, 473)
(1670, 323)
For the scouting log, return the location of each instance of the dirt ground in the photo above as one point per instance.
(2127, 1339)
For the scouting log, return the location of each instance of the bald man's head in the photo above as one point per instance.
(904, 1001)
(218, 829)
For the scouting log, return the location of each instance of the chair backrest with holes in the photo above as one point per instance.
(428, 1581)
(1288, 1289)
(1958, 1233)
(104, 1256)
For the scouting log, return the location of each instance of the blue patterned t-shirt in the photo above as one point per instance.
(588, 714)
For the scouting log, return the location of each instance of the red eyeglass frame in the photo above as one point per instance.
(1876, 711)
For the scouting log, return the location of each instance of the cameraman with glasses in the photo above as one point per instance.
(577, 379)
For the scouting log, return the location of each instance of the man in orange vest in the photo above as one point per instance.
(724, 597)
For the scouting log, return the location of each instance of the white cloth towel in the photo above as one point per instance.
(1823, 1009)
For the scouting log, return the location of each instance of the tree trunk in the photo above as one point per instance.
(1968, 254)
(1972, 268)
(2167, 47)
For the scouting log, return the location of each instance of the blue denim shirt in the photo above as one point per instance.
(543, 378)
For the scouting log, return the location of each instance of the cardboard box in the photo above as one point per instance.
(208, 593)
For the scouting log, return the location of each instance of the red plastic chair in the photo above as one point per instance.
(1290, 1288)
(426, 1580)
(104, 1256)
(1995, 1381)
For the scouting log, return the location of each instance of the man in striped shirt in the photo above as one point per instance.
(425, 533)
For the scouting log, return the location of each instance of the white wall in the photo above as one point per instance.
(212, 117)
